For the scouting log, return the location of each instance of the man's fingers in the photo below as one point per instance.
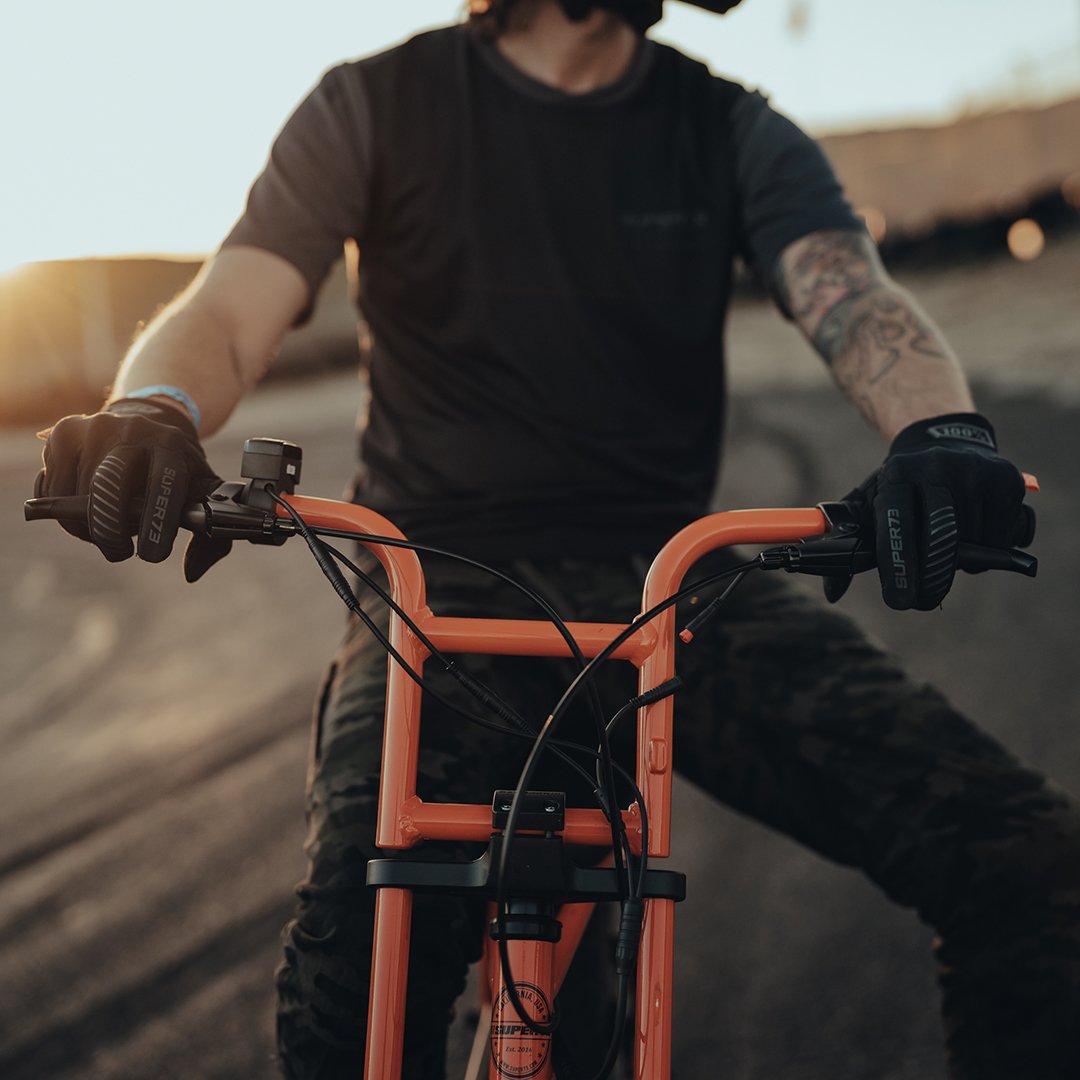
(166, 486)
(1002, 504)
(112, 485)
(896, 524)
(940, 547)
(77, 529)
(917, 544)
(61, 457)
(1025, 527)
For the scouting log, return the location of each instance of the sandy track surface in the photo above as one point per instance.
(155, 740)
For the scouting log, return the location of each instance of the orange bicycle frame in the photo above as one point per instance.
(404, 819)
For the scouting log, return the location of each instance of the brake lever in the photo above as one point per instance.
(975, 559)
(222, 515)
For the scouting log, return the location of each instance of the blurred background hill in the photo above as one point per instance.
(65, 326)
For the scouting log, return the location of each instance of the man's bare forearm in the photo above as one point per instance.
(217, 340)
(186, 347)
(884, 352)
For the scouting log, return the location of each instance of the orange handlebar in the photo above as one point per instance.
(664, 578)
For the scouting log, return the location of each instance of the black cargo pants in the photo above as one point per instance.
(790, 716)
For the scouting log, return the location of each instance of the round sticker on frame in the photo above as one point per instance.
(519, 1052)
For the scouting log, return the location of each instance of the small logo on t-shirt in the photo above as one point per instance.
(665, 219)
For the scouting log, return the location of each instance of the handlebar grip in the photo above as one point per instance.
(57, 508)
(849, 555)
(75, 508)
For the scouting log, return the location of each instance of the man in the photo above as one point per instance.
(547, 206)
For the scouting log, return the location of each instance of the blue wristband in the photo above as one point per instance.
(173, 392)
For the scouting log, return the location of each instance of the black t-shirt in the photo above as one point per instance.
(546, 279)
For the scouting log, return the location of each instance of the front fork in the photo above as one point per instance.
(517, 1050)
(541, 938)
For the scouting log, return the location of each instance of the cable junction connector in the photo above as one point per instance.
(779, 558)
(628, 943)
(686, 635)
(657, 693)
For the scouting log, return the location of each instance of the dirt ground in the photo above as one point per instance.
(155, 741)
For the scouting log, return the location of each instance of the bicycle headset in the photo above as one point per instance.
(641, 14)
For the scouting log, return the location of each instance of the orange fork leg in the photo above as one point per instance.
(389, 973)
(652, 1053)
(517, 1051)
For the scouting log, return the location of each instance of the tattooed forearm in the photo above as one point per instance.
(885, 354)
(824, 269)
(873, 331)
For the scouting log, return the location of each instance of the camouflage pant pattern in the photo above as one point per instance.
(790, 716)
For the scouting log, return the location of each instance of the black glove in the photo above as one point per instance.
(134, 448)
(942, 483)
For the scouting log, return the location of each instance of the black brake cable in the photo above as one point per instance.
(623, 979)
(320, 550)
(520, 727)
(547, 731)
(624, 635)
(619, 840)
(543, 740)
(615, 821)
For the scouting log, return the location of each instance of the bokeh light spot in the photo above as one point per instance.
(1070, 190)
(1026, 240)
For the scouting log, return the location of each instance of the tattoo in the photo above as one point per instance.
(824, 268)
(865, 327)
(836, 289)
(873, 331)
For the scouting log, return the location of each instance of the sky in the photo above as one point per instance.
(128, 126)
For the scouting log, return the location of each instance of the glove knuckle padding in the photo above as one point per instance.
(132, 449)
